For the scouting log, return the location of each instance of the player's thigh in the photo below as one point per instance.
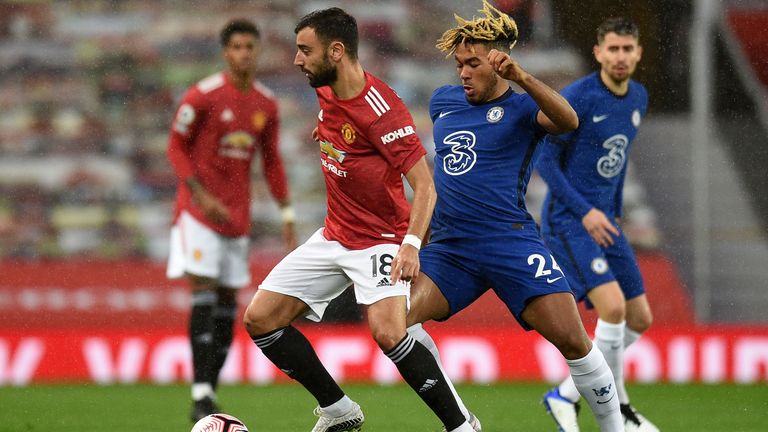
(453, 270)
(427, 301)
(195, 249)
(386, 319)
(310, 273)
(608, 301)
(520, 268)
(271, 310)
(556, 318)
(235, 272)
(581, 259)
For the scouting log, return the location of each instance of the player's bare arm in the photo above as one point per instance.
(212, 207)
(288, 215)
(556, 115)
(599, 227)
(405, 265)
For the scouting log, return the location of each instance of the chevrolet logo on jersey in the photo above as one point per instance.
(237, 145)
(328, 148)
(239, 139)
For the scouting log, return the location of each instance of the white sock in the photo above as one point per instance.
(606, 336)
(568, 390)
(609, 338)
(593, 378)
(630, 337)
(465, 427)
(202, 390)
(417, 332)
(339, 408)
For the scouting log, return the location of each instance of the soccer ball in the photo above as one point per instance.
(219, 423)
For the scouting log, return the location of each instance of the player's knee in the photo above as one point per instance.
(573, 345)
(201, 283)
(256, 322)
(614, 313)
(640, 322)
(386, 339)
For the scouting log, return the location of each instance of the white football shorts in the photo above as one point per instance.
(200, 251)
(319, 270)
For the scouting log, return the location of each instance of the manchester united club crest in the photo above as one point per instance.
(348, 133)
(259, 120)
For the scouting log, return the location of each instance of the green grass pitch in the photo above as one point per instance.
(500, 407)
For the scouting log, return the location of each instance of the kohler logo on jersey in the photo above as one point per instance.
(402, 132)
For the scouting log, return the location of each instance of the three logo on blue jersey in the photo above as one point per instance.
(611, 164)
(462, 157)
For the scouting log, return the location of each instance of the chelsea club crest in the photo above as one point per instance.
(494, 114)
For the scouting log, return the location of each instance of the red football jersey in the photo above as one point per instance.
(216, 132)
(366, 144)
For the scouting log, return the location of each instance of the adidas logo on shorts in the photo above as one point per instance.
(383, 282)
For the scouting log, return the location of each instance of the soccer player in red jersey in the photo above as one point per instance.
(371, 238)
(221, 123)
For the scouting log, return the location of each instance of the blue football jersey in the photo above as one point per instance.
(484, 156)
(586, 168)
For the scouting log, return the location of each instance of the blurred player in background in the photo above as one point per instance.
(221, 123)
(482, 236)
(585, 171)
(367, 142)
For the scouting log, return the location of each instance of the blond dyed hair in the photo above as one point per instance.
(496, 26)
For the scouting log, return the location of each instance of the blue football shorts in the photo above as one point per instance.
(587, 265)
(517, 267)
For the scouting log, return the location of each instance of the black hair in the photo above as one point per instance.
(620, 26)
(239, 25)
(332, 24)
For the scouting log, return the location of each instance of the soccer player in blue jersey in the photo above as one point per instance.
(585, 171)
(483, 237)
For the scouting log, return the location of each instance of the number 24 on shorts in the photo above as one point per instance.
(541, 269)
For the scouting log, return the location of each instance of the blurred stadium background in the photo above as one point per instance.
(87, 92)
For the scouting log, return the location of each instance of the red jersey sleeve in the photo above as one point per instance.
(394, 135)
(187, 120)
(273, 167)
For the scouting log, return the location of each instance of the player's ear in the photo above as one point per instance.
(336, 50)
(596, 53)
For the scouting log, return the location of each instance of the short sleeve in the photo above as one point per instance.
(394, 135)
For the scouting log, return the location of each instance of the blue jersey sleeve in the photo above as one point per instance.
(560, 188)
(437, 101)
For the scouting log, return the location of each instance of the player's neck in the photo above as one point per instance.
(350, 81)
(619, 88)
(241, 82)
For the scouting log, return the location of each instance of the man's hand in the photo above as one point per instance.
(599, 227)
(405, 265)
(213, 209)
(506, 66)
